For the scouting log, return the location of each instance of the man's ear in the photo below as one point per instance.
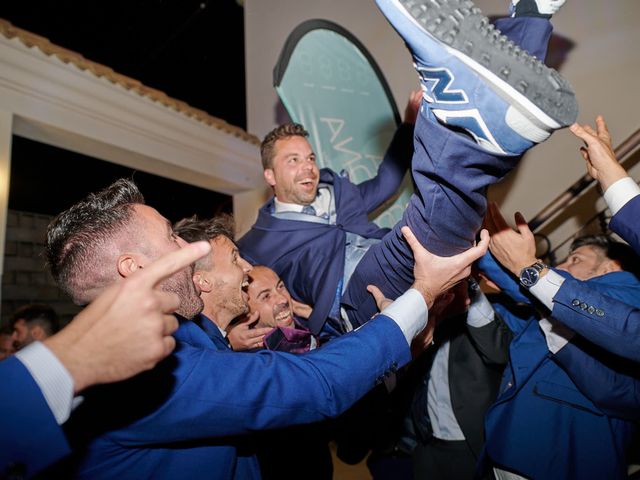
(37, 333)
(269, 177)
(202, 281)
(127, 264)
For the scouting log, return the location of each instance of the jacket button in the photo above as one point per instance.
(584, 306)
(599, 312)
(591, 309)
(575, 302)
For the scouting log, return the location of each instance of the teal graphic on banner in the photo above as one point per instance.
(328, 82)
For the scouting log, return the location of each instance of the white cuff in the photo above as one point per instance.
(480, 311)
(52, 377)
(547, 287)
(410, 312)
(556, 334)
(620, 192)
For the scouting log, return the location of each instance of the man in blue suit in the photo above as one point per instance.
(485, 102)
(169, 422)
(221, 304)
(566, 377)
(100, 345)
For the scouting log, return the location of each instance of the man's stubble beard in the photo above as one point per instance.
(233, 303)
(182, 285)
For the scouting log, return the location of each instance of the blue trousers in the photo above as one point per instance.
(451, 176)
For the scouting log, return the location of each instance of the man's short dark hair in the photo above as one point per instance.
(37, 314)
(74, 236)
(193, 229)
(611, 249)
(283, 131)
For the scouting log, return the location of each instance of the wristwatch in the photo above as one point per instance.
(529, 276)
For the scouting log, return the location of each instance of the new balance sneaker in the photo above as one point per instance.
(535, 8)
(474, 78)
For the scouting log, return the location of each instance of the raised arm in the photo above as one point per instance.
(621, 192)
(396, 161)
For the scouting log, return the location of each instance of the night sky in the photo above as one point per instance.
(191, 50)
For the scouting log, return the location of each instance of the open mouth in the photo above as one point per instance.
(308, 184)
(283, 316)
(243, 287)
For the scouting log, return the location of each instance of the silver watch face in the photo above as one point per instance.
(529, 276)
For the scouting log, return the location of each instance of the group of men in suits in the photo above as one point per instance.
(333, 240)
(178, 418)
(188, 416)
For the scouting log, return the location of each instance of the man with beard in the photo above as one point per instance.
(285, 453)
(33, 322)
(100, 345)
(221, 287)
(264, 303)
(183, 418)
(271, 307)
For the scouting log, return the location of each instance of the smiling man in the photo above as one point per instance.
(185, 417)
(297, 232)
(485, 101)
(270, 300)
(269, 296)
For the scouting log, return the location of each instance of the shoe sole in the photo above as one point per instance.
(539, 91)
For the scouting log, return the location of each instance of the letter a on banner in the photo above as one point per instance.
(328, 82)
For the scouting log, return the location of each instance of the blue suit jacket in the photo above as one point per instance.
(241, 452)
(212, 331)
(309, 257)
(583, 395)
(616, 295)
(172, 421)
(30, 438)
(625, 223)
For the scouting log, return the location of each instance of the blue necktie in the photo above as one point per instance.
(309, 210)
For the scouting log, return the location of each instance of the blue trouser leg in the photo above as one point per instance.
(451, 174)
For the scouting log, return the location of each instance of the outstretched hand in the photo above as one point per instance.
(128, 327)
(602, 163)
(434, 275)
(514, 249)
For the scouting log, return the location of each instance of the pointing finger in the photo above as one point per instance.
(171, 263)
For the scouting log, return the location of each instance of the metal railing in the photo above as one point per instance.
(623, 153)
